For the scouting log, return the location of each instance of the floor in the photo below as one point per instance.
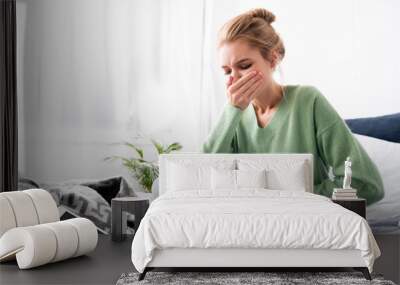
(111, 259)
(102, 266)
(388, 263)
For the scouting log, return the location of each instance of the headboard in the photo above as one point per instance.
(270, 158)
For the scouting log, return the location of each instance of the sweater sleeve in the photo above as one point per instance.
(222, 138)
(335, 143)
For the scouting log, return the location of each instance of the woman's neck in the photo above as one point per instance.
(268, 99)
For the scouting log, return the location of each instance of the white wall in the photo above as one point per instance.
(346, 48)
(95, 72)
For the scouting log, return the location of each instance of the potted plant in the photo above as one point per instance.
(145, 172)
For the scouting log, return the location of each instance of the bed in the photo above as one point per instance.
(247, 210)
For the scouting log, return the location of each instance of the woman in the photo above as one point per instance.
(262, 116)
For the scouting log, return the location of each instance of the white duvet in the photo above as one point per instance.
(250, 219)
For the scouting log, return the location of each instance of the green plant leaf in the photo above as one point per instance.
(114, 157)
(173, 146)
(145, 172)
(139, 151)
(158, 146)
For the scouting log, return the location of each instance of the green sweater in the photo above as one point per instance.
(305, 122)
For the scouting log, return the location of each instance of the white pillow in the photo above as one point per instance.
(223, 179)
(251, 178)
(187, 177)
(386, 157)
(228, 179)
(282, 174)
(290, 179)
(193, 174)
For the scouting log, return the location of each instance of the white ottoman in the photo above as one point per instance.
(31, 232)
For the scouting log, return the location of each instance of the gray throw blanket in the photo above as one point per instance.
(89, 198)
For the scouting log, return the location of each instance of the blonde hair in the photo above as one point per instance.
(253, 26)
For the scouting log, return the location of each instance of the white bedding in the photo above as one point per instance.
(251, 218)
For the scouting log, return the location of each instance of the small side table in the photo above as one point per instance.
(358, 205)
(134, 205)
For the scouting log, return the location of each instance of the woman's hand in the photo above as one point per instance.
(241, 92)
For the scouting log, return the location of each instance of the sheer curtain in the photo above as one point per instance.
(98, 72)
(95, 72)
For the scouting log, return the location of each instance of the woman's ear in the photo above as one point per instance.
(273, 59)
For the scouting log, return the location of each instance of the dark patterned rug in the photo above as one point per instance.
(229, 278)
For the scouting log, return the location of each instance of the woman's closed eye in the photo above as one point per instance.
(246, 66)
(243, 67)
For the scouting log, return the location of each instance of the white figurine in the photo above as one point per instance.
(347, 174)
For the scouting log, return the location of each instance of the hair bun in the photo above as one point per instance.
(268, 16)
